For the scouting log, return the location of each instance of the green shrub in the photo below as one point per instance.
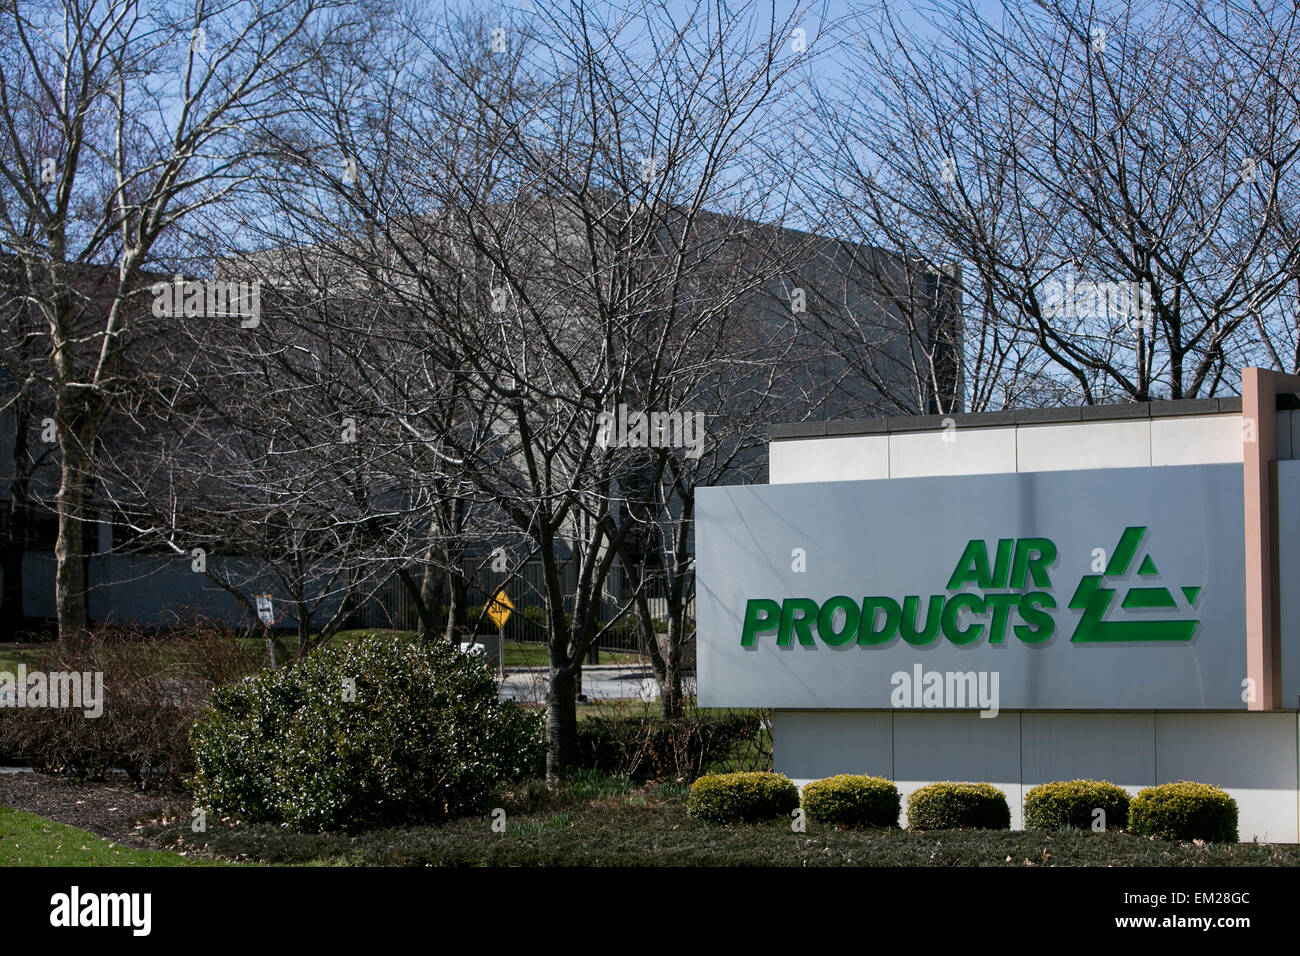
(650, 748)
(1072, 803)
(950, 806)
(423, 737)
(855, 800)
(1185, 811)
(741, 797)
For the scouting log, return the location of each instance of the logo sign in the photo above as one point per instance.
(1019, 565)
(499, 608)
(1106, 589)
(1094, 600)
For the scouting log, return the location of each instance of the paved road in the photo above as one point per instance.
(600, 682)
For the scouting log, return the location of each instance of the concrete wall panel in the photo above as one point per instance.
(1124, 444)
(959, 747)
(1199, 439)
(1253, 756)
(970, 451)
(811, 744)
(829, 459)
(1120, 748)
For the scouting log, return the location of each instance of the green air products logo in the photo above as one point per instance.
(1094, 600)
(1012, 595)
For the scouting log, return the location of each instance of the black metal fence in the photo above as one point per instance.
(393, 606)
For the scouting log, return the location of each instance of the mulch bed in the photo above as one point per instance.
(113, 809)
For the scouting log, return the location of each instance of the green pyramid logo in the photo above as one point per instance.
(1095, 600)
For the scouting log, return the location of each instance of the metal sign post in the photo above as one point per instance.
(499, 610)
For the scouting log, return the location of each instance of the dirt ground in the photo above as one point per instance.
(110, 809)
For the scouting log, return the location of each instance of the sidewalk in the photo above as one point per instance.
(599, 682)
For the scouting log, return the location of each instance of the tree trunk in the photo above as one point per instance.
(425, 603)
(456, 616)
(453, 562)
(665, 676)
(670, 687)
(431, 582)
(272, 646)
(70, 600)
(304, 629)
(428, 595)
(665, 653)
(561, 705)
(561, 724)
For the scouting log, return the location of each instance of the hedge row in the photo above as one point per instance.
(1175, 811)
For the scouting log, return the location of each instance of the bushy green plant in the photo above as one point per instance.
(741, 797)
(951, 806)
(1185, 811)
(650, 748)
(855, 800)
(1073, 803)
(373, 731)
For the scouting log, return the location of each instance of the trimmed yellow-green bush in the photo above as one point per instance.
(1185, 811)
(854, 800)
(741, 797)
(1073, 803)
(952, 806)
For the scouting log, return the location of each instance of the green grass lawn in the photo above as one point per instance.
(536, 655)
(29, 840)
(10, 658)
(631, 707)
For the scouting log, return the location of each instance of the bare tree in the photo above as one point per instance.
(549, 202)
(1106, 183)
(734, 377)
(122, 122)
(256, 456)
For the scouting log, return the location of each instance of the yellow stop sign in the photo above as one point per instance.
(499, 608)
